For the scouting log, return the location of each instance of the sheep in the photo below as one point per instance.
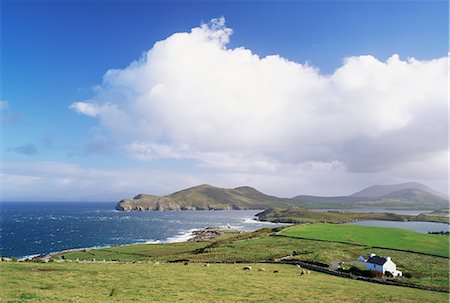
(206, 264)
(247, 268)
(261, 269)
(275, 271)
(156, 263)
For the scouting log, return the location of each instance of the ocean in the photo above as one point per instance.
(33, 228)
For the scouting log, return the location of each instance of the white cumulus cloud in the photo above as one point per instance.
(86, 108)
(191, 96)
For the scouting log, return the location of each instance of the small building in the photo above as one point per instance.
(382, 265)
(362, 259)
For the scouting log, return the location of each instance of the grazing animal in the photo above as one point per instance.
(186, 263)
(206, 264)
(156, 263)
(261, 269)
(275, 271)
(247, 268)
(299, 266)
(308, 272)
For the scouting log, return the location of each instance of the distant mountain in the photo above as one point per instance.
(415, 195)
(205, 197)
(406, 195)
(381, 190)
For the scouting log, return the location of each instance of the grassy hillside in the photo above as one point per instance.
(145, 282)
(415, 195)
(205, 197)
(302, 215)
(238, 198)
(394, 238)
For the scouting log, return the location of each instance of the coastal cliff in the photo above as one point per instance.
(203, 197)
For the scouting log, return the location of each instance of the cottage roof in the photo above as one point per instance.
(377, 260)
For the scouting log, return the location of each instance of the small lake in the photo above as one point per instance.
(420, 227)
(412, 212)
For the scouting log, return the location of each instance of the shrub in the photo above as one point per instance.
(317, 263)
(375, 274)
(354, 269)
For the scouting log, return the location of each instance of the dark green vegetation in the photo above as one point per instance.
(207, 197)
(265, 245)
(302, 215)
(394, 238)
(441, 233)
(145, 282)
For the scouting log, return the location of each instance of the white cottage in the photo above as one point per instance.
(382, 265)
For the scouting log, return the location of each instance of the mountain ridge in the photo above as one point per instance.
(380, 190)
(204, 197)
(208, 197)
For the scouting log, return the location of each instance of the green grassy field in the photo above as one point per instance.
(424, 269)
(263, 246)
(394, 238)
(145, 282)
(138, 252)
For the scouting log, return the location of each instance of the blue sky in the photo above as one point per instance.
(56, 53)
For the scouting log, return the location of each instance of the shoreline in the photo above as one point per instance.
(175, 231)
(192, 235)
(182, 236)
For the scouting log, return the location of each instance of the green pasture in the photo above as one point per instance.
(393, 238)
(176, 282)
(264, 245)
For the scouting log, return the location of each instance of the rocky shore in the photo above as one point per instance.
(209, 233)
